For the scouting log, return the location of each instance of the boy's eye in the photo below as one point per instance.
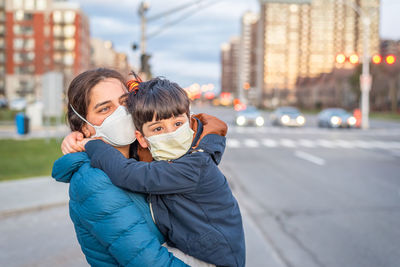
(178, 123)
(157, 129)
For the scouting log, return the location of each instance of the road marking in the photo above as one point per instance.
(251, 143)
(288, 143)
(309, 157)
(306, 143)
(233, 143)
(344, 144)
(325, 143)
(269, 142)
(362, 144)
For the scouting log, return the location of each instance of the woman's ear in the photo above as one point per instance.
(142, 141)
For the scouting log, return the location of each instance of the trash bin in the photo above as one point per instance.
(22, 123)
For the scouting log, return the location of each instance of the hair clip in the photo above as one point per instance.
(133, 85)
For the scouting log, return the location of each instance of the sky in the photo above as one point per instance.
(189, 51)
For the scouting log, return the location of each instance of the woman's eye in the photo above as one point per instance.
(105, 109)
(157, 129)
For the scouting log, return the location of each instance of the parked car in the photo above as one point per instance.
(3, 102)
(249, 116)
(287, 116)
(336, 118)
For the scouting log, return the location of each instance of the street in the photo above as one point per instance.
(308, 196)
(321, 197)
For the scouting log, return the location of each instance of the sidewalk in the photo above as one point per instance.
(10, 132)
(33, 194)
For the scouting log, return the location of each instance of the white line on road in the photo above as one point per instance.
(233, 143)
(288, 143)
(306, 143)
(269, 142)
(251, 143)
(309, 157)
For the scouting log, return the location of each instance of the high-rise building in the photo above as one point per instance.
(230, 66)
(301, 38)
(247, 57)
(42, 36)
(105, 56)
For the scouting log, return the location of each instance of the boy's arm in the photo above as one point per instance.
(157, 177)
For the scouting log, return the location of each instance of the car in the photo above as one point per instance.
(287, 116)
(249, 116)
(3, 103)
(336, 118)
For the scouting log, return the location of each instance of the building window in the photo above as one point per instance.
(69, 44)
(57, 16)
(17, 4)
(27, 44)
(29, 4)
(69, 59)
(57, 30)
(69, 16)
(2, 44)
(20, 15)
(20, 29)
(41, 4)
(24, 69)
(2, 58)
(69, 31)
(23, 57)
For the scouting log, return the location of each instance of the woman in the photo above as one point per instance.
(114, 227)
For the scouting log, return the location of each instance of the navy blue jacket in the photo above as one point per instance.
(192, 203)
(113, 226)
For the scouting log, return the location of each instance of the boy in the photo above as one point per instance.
(190, 199)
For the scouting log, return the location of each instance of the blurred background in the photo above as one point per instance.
(310, 90)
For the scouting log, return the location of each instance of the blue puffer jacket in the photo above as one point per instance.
(113, 226)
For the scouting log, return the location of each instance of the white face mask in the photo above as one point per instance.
(117, 129)
(172, 145)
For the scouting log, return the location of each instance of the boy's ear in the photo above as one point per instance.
(85, 130)
(142, 141)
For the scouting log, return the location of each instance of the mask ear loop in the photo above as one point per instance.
(81, 116)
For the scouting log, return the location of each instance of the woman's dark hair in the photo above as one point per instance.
(79, 93)
(159, 98)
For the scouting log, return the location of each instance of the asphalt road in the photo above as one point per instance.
(321, 197)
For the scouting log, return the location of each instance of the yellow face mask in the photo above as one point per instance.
(172, 145)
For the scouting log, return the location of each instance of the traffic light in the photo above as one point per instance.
(353, 59)
(340, 58)
(377, 59)
(144, 64)
(390, 59)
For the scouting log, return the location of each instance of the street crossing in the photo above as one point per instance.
(310, 143)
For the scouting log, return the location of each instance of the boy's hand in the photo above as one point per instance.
(73, 143)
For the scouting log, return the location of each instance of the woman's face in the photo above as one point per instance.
(105, 97)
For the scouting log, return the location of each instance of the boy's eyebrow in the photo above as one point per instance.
(101, 103)
(153, 123)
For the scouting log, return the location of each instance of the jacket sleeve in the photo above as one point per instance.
(157, 177)
(118, 225)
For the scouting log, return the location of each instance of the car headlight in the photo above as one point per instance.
(351, 121)
(260, 121)
(335, 120)
(285, 119)
(300, 120)
(241, 120)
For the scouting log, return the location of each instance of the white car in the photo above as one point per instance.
(18, 104)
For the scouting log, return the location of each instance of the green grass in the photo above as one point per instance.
(7, 115)
(27, 158)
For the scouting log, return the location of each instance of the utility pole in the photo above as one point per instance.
(144, 58)
(365, 78)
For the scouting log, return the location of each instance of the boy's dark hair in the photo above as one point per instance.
(159, 98)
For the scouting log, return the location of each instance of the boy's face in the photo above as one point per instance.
(155, 127)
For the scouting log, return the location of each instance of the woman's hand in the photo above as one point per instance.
(73, 143)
